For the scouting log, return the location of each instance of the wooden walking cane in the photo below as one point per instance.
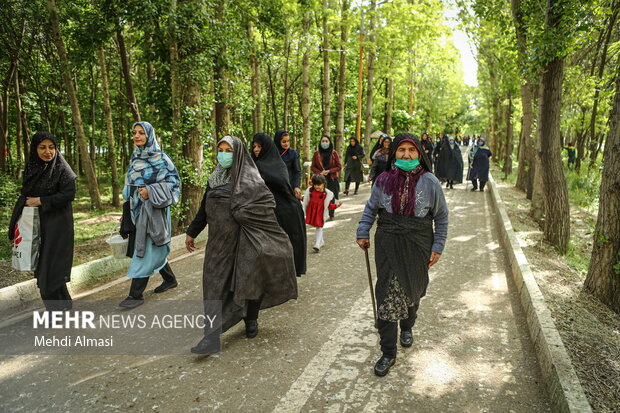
(372, 291)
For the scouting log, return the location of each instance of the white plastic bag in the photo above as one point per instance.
(27, 240)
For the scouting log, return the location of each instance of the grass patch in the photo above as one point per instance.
(577, 256)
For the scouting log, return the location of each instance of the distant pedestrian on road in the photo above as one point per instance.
(49, 185)
(152, 185)
(289, 212)
(427, 145)
(326, 162)
(479, 172)
(353, 167)
(449, 162)
(318, 201)
(572, 155)
(290, 157)
(378, 145)
(380, 160)
(409, 202)
(248, 262)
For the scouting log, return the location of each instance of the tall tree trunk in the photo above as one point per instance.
(370, 79)
(221, 81)
(603, 278)
(526, 150)
(326, 72)
(93, 97)
(175, 87)
(597, 91)
(109, 128)
(19, 134)
(360, 83)
(342, 75)
(272, 92)
(285, 110)
(23, 119)
(192, 189)
(305, 94)
(257, 111)
(4, 116)
(93, 187)
(131, 97)
(123, 126)
(557, 209)
(389, 105)
(509, 138)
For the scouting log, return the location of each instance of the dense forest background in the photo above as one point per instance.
(548, 74)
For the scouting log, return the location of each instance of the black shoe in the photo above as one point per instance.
(481, 190)
(474, 189)
(346, 193)
(251, 328)
(131, 302)
(206, 346)
(165, 286)
(451, 187)
(382, 366)
(406, 338)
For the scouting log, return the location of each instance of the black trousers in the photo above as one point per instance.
(347, 184)
(474, 182)
(253, 309)
(138, 285)
(388, 331)
(57, 300)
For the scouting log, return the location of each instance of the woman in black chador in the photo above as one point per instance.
(427, 146)
(289, 211)
(409, 202)
(49, 184)
(449, 162)
(380, 160)
(290, 157)
(479, 172)
(248, 258)
(353, 165)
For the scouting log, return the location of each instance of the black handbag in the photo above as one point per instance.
(128, 229)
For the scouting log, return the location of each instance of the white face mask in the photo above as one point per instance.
(325, 145)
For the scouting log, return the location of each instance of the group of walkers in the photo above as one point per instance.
(257, 210)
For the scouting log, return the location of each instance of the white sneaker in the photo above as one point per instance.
(316, 248)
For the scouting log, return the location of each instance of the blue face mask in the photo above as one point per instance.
(480, 143)
(325, 145)
(225, 159)
(406, 165)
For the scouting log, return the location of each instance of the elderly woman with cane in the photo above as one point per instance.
(410, 202)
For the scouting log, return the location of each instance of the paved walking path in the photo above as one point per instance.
(471, 351)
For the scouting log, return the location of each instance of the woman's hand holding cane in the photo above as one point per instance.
(364, 243)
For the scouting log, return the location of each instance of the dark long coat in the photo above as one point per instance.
(289, 211)
(353, 169)
(480, 165)
(248, 256)
(450, 163)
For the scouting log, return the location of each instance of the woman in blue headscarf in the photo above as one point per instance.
(152, 184)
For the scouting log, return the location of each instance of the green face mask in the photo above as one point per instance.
(407, 165)
(225, 159)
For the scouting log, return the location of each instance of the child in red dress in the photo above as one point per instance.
(317, 203)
